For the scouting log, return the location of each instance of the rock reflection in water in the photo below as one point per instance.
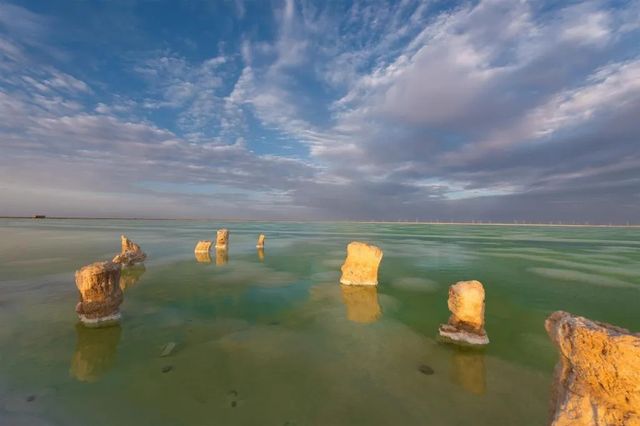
(130, 276)
(361, 302)
(261, 254)
(95, 353)
(203, 257)
(468, 370)
(222, 257)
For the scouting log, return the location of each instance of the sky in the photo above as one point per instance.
(498, 110)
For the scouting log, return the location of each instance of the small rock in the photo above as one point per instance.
(167, 368)
(234, 404)
(425, 369)
(233, 392)
(168, 349)
(31, 398)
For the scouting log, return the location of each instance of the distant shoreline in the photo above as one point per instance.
(568, 225)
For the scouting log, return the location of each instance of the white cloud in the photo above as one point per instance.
(586, 26)
(193, 90)
(606, 90)
(61, 81)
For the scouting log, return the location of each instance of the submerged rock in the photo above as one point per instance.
(597, 380)
(100, 293)
(95, 353)
(426, 370)
(232, 396)
(168, 349)
(222, 239)
(466, 323)
(260, 243)
(361, 265)
(362, 303)
(130, 254)
(203, 246)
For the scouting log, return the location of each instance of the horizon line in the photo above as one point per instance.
(403, 222)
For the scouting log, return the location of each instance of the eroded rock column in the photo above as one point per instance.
(260, 243)
(466, 323)
(203, 246)
(222, 239)
(100, 294)
(361, 265)
(130, 253)
(202, 251)
(597, 380)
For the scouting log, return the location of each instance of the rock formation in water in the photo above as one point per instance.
(130, 276)
(222, 239)
(260, 243)
(130, 254)
(466, 323)
(95, 353)
(202, 251)
(597, 380)
(100, 293)
(361, 302)
(203, 246)
(361, 265)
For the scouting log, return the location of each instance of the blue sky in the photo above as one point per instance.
(489, 110)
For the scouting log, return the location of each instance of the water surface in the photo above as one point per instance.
(272, 339)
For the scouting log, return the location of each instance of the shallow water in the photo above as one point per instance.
(272, 339)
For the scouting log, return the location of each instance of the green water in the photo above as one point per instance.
(275, 341)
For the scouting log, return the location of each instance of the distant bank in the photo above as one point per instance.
(399, 222)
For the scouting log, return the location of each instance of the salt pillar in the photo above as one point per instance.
(597, 380)
(361, 265)
(466, 323)
(130, 253)
(222, 239)
(260, 243)
(100, 294)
